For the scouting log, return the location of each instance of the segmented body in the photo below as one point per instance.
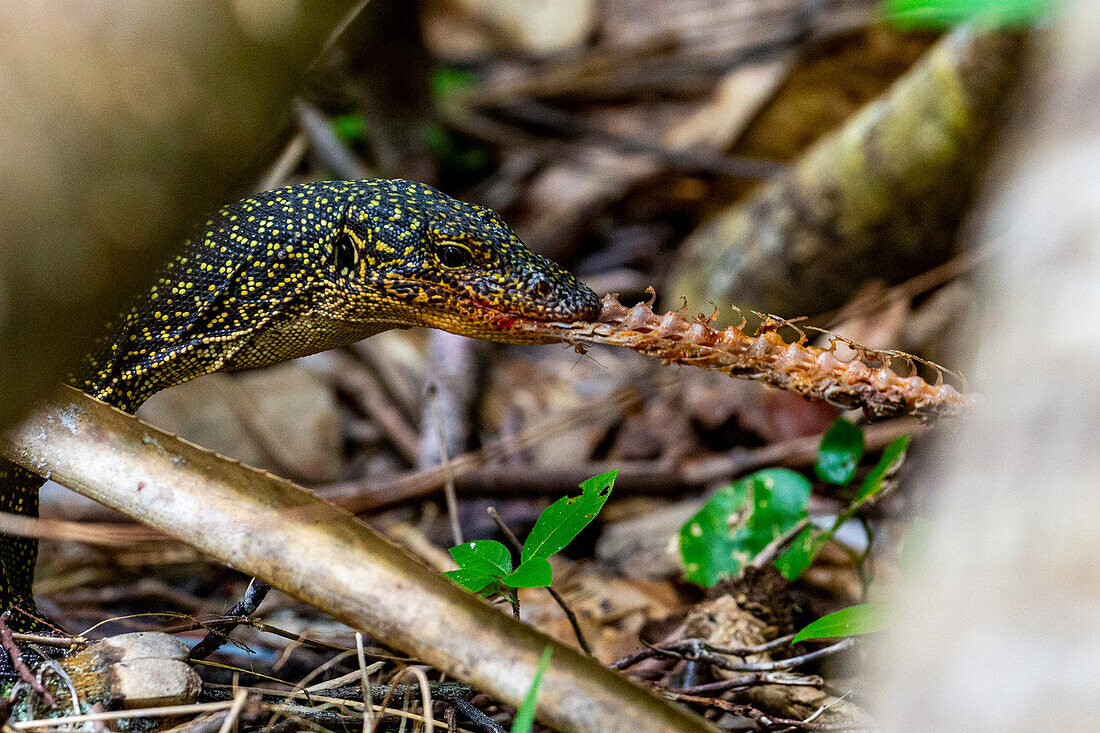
(299, 270)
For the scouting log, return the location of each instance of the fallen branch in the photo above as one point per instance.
(283, 534)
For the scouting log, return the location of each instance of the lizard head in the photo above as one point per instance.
(421, 258)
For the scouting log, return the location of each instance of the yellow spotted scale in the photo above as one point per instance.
(295, 271)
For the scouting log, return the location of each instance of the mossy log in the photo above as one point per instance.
(881, 197)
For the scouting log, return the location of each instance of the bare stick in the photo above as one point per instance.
(327, 558)
(253, 597)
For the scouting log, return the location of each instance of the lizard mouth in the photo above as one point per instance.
(471, 302)
(467, 313)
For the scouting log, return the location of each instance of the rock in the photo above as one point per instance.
(142, 669)
(142, 645)
(143, 683)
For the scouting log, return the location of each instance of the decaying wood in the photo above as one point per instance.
(881, 197)
(285, 535)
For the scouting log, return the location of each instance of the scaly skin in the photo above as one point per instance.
(299, 270)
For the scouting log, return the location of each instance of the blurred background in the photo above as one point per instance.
(804, 159)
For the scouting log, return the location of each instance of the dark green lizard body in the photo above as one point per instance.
(298, 270)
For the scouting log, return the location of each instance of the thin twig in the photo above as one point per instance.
(253, 597)
(357, 497)
(474, 715)
(162, 712)
(234, 712)
(817, 713)
(692, 649)
(749, 680)
(760, 717)
(301, 710)
(518, 547)
(62, 642)
(425, 694)
(795, 451)
(698, 650)
(17, 663)
(790, 662)
(544, 115)
(368, 391)
(53, 666)
(364, 682)
(106, 534)
(285, 164)
(327, 144)
(912, 287)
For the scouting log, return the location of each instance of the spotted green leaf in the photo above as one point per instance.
(470, 580)
(739, 521)
(793, 561)
(479, 563)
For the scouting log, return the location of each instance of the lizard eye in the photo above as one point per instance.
(346, 254)
(453, 256)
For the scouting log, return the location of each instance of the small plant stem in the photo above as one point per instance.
(518, 547)
(773, 548)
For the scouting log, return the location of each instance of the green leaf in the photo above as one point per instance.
(781, 498)
(533, 573)
(944, 13)
(793, 561)
(350, 128)
(487, 557)
(443, 82)
(525, 715)
(707, 546)
(563, 520)
(739, 521)
(891, 460)
(851, 621)
(839, 452)
(469, 579)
